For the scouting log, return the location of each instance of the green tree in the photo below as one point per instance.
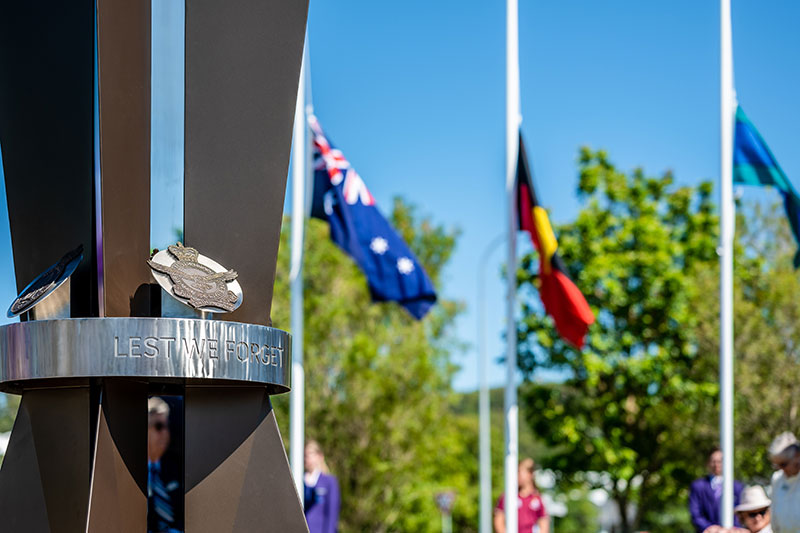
(582, 515)
(9, 404)
(638, 402)
(766, 336)
(378, 396)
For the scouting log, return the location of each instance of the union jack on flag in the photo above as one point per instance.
(341, 197)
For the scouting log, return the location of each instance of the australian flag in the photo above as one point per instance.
(357, 227)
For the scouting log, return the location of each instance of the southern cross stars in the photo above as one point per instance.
(405, 265)
(379, 245)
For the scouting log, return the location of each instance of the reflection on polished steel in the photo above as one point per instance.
(166, 349)
(171, 307)
(46, 283)
(196, 280)
(55, 305)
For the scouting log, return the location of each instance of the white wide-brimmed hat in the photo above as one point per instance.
(753, 498)
(781, 442)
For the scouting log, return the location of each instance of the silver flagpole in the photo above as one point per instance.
(727, 227)
(484, 406)
(512, 148)
(300, 168)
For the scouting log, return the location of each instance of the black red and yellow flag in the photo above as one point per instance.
(561, 298)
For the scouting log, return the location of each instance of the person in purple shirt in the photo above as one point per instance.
(321, 492)
(705, 495)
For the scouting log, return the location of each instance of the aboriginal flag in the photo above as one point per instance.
(561, 298)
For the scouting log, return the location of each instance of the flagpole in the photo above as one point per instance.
(484, 405)
(512, 148)
(300, 169)
(727, 227)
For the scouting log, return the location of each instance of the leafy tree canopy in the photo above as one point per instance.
(766, 336)
(378, 396)
(638, 400)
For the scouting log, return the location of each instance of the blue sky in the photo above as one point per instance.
(413, 93)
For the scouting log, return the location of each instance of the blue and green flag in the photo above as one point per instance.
(754, 164)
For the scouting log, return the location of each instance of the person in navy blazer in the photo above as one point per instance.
(321, 492)
(705, 494)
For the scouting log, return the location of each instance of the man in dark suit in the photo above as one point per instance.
(705, 495)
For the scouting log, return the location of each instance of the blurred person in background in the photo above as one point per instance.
(321, 492)
(531, 514)
(163, 511)
(705, 495)
(753, 511)
(784, 452)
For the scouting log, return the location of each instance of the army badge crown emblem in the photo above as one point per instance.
(195, 279)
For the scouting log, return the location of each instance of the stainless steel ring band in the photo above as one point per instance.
(157, 349)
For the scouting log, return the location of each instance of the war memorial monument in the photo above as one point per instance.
(104, 322)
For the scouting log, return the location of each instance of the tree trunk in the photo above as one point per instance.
(637, 519)
(622, 504)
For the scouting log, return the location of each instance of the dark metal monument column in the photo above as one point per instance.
(239, 116)
(102, 327)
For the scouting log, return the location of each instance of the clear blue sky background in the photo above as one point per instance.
(414, 94)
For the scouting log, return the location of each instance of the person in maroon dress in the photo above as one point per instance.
(531, 516)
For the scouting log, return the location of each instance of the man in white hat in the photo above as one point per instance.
(784, 452)
(753, 511)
